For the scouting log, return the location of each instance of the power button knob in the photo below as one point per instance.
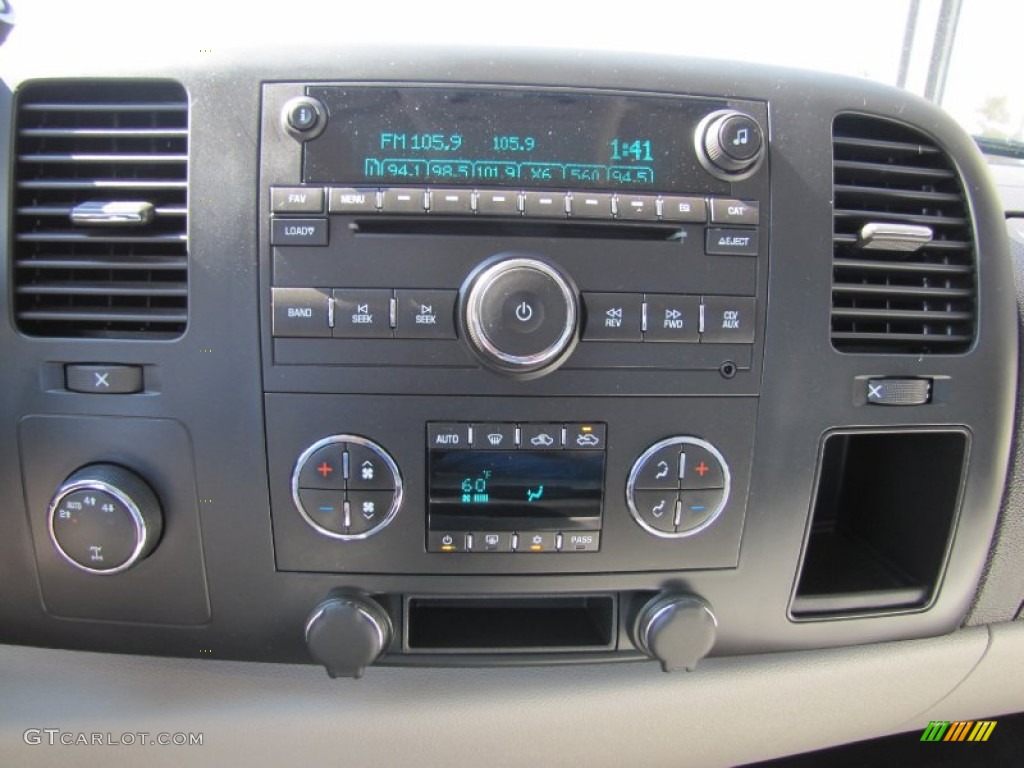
(729, 143)
(519, 315)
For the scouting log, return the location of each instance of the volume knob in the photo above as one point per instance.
(729, 144)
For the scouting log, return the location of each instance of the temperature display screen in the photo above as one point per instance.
(515, 137)
(514, 488)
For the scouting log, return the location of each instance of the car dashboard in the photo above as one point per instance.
(507, 383)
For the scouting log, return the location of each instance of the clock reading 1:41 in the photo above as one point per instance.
(636, 150)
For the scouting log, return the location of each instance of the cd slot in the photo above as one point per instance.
(504, 227)
(510, 624)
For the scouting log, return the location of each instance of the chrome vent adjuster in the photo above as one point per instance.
(904, 260)
(101, 209)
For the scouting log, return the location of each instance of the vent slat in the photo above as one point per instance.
(65, 210)
(899, 315)
(75, 288)
(99, 236)
(935, 245)
(921, 301)
(84, 158)
(885, 193)
(883, 146)
(75, 184)
(903, 267)
(907, 218)
(88, 142)
(895, 292)
(903, 339)
(161, 264)
(106, 315)
(103, 133)
(87, 106)
(882, 170)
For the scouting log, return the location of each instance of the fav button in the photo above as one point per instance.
(297, 199)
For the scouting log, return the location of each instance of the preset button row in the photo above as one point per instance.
(514, 202)
(522, 541)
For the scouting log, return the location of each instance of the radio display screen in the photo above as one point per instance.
(508, 489)
(510, 137)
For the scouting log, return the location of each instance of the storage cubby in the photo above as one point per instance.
(883, 517)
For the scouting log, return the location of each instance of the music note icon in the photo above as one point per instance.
(742, 137)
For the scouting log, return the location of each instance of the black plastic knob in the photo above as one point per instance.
(347, 634)
(729, 143)
(104, 519)
(677, 630)
(519, 315)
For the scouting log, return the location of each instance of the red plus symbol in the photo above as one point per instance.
(702, 469)
(325, 469)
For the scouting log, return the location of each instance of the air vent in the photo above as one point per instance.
(100, 226)
(903, 278)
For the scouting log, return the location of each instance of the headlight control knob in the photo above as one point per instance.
(729, 143)
(519, 315)
(104, 519)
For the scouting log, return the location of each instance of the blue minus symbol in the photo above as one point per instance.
(326, 509)
(699, 508)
